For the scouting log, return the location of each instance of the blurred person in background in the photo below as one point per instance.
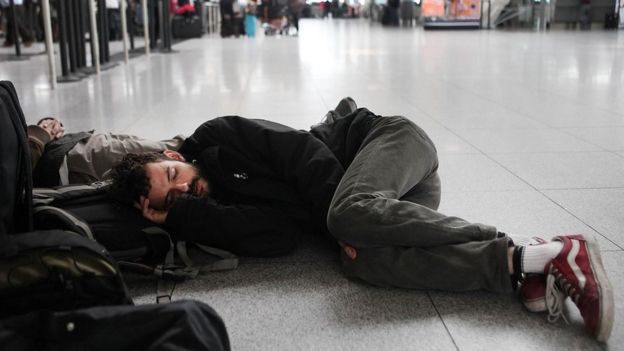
(294, 8)
(21, 20)
(250, 18)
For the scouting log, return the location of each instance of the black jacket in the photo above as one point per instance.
(269, 183)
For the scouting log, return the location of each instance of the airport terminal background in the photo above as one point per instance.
(525, 104)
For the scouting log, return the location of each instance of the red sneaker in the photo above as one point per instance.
(539, 294)
(533, 287)
(578, 272)
(533, 292)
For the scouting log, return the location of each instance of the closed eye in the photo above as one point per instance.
(168, 197)
(172, 174)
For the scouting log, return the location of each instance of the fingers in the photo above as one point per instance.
(146, 208)
(140, 205)
(54, 130)
(148, 212)
(53, 126)
(58, 130)
(45, 121)
(350, 252)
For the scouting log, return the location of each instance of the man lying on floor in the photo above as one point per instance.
(58, 158)
(371, 182)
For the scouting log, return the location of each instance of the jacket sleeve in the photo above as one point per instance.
(245, 230)
(300, 158)
(37, 140)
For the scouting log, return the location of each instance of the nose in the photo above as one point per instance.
(182, 187)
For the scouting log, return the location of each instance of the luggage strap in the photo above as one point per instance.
(169, 273)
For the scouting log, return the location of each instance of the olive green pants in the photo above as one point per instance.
(386, 208)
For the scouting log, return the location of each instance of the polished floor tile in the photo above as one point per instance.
(446, 141)
(522, 140)
(491, 117)
(504, 324)
(275, 307)
(613, 262)
(475, 172)
(599, 208)
(608, 138)
(523, 213)
(546, 170)
(528, 128)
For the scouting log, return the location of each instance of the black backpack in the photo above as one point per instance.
(89, 211)
(41, 270)
(137, 244)
(15, 169)
(49, 279)
(57, 270)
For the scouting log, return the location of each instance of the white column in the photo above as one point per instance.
(124, 28)
(145, 26)
(94, 36)
(47, 29)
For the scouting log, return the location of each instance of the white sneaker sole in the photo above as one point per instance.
(535, 305)
(607, 306)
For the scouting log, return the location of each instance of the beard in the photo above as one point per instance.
(195, 180)
(193, 186)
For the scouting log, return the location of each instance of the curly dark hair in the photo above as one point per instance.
(129, 180)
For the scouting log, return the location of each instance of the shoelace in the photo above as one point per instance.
(329, 118)
(554, 300)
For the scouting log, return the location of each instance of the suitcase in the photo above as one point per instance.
(185, 27)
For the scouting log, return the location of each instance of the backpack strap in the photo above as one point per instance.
(75, 223)
(165, 287)
(227, 259)
(169, 272)
(46, 196)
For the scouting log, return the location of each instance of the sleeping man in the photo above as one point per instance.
(371, 183)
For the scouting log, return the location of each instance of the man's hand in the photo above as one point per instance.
(153, 215)
(350, 251)
(53, 126)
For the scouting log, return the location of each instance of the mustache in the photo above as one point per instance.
(193, 186)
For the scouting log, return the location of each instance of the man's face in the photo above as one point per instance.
(170, 179)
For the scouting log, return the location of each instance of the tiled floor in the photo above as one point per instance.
(530, 131)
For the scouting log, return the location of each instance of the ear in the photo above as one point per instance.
(174, 155)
